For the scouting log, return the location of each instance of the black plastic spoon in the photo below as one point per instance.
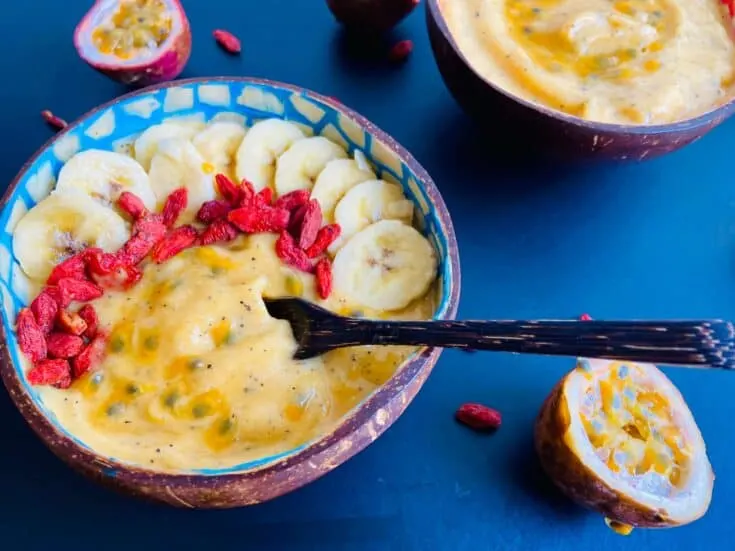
(697, 343)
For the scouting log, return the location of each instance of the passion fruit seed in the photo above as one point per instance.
(137, 28)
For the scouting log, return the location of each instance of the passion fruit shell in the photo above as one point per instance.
(129, 46)
(568, 456)
(371, 15)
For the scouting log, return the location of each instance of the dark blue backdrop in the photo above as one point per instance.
(650, 240)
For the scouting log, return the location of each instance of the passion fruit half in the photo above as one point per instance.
(136, 42)
(371, 15)
(620, 439)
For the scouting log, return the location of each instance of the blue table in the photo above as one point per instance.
(649, 240)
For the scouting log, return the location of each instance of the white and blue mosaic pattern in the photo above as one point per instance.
(116, 127)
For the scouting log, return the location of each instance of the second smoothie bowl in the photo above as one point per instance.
(137, 247)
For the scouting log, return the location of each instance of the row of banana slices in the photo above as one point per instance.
(381, 261)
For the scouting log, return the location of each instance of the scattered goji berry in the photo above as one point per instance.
(90, 358)
(63, 345)
(71, 322)
(101, 263)
(175, 204)
(478, 417)
(131, 205)
(213, 210)
(293, 200)
(288, 251)
(400, 51)
(219, 231)
(51, 372)
(247, 193)
(265, 197)
(228, 41)
(31, 339)
(44, 308)
(323, 273)
(89, 315)
(229, 191)
(585, 317)
(53, 121)
(324, 238)
(55, 294)
(730, 6)
(176, 241)
(310, 224)
(81, 291)
(259, 219)
(146, 233)
(73, 268)
(297, 219)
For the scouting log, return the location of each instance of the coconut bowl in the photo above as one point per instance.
(114, 126)
(518, 122)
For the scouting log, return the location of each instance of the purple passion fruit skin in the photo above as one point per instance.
(622, 505)
(371, 15)
(135, 42)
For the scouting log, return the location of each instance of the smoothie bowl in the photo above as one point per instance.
(137, 248)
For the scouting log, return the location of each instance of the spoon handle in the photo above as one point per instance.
(705, 343)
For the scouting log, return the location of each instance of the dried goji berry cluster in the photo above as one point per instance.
(64, 345)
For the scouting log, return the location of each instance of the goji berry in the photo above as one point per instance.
(287, 251)
(31, 339)
(478, 417)
(147, 232)
(293, 200)
(121, 276)
(297, 219)
(73, 267)
(90, 358)
(176, 241)
(71, 322)
(310, 225)
(55, 294)
(213, 210)
(400, 51)
(175, 204)
(101, 263)
(89, 315)
(63, 345)
(81, 291)
(324, 238)
(730, 6)
(264, 197)
(52, 120)
(323, 274)
(259, 219)
(51, 372)
(218, 231)
(227, 189)
(131, 205)
(247, 193)
(228, 41)
(44, 308)
(585, 317)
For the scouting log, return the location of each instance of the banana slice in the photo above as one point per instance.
(385, 266)
(300, 165)
(335, 180)
(369, 202)
(63, 224)
(179, 164)
(263, 144)
(218, 144)
(146, 145)
(104, 175)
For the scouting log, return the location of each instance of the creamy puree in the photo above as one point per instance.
(198, 375)
(615, 61)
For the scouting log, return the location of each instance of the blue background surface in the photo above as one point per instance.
(537, 240)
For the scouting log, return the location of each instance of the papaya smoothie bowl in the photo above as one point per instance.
(619, 79)
(137, 248)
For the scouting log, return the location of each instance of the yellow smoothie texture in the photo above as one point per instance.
(617, 61)
(198, 375)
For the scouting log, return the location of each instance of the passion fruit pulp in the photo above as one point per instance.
(619, 438)
(371, 15)
(136, 42)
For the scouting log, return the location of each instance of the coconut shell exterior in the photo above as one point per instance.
(168, 65)
(371, 15)
(236, 489)
(519, 123)
(576, 480)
